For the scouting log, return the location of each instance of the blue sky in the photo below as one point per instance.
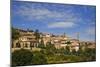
(55, 18)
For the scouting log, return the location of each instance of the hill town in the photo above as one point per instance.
(32, 40)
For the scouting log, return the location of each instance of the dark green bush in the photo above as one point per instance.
(22, 57)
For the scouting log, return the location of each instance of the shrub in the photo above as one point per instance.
(21, 57)
(39, 58)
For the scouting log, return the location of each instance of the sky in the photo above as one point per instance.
(55, 18)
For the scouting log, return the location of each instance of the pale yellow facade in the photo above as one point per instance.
(28, 41)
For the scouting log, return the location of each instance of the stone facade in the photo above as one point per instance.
(28, 41)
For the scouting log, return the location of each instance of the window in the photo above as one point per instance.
(12, 45)
(18, 45)
(26, 45)
(32, 45)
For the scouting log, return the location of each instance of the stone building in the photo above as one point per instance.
(27, 41)
(74, 45)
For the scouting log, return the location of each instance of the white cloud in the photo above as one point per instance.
(29, 12)
(39, 13)
(61, 25)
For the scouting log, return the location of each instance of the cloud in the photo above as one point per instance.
(61, 25)
(39, 12)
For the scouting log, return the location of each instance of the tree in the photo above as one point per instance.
(37, 36)
(67, 49)
(90, 53)
(74, 52)
(62, 51)
(50, 49)
(41, 44)
(21, 57)
(15, 34)
(39, 58)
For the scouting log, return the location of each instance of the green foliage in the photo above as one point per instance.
(67, 49)
(15, 34)
(49, 55)
(73, 52)
(88, 54)
(37, 34)
(41, 44)
(56, 58)
(39, 58)
(21, 57)
(50, 49)
(61, 51)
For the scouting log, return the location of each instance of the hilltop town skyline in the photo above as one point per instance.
(55, 18)
(77, 37)
(52, 33)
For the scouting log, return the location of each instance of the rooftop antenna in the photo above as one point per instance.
(77, 36)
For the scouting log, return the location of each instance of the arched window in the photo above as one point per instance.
(18, 45)
(32, 45)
